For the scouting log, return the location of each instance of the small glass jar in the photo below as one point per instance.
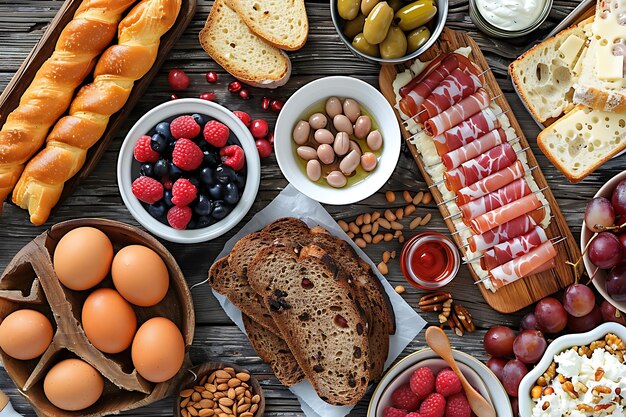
(430, 260)
(499, 29)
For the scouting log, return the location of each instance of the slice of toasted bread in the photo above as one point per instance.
(227, 39)
(273, 350)
(282, 23)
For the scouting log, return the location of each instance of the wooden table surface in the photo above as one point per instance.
(217, 339)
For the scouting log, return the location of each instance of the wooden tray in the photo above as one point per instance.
(524, 292)
(29, 281)
(11, 95)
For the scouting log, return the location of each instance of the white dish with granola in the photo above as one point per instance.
(580, 375)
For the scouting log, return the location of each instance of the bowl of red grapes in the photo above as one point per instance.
(603, 241)
(188, 170)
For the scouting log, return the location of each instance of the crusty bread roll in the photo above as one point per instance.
(84, 38)
(42, 181)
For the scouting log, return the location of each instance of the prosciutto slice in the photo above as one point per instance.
(522, 266)
(491, 183)
(501, 233)
(511, 249)
(467, 131)
(449, 62)
(506, 213)
(454, 88)
(460, 111)
(505, 195)
(481, 145)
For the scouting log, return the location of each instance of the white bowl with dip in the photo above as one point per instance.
(509, 18)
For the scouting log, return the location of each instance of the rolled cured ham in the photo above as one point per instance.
(467, 131)
(513, 248)
(481, 145)
(508, 212)
(491, 183)
(522, 266)
(451, 62)
(454, 88)
(460, 111)
(505, 195)
(543, 267)
(502, 233)
(480, 167)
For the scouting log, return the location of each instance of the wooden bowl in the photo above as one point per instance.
(196, 373)
(29, 281)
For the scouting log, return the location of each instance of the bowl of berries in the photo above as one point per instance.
(188, 170)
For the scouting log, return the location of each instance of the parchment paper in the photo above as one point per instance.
(291, 203)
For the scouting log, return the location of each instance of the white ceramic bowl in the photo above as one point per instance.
(475, 371)
(175, 108)
(599, 281)
(559, 345)
(318, 91)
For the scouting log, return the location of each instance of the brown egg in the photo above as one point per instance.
(73, 385)
(158, 350)
(82, 258)
(140, 275)
(109, 320)
(25, 334)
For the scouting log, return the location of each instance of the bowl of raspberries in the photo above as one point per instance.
(188, 170)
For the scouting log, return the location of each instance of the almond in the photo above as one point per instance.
(344, 225)
(407, 196)
(377, 238)
(375, 228)
(360, 242)
(388, 237)
(397, 226)
(386, 256)
(234, 382)
(389, 215)
(390, 196)
(415, 222)
(400, 289)
(428, 197)
(410, 209)
(359, 220)
(186, 393)
(418, 198)
(367, 218)
(382, 268)
(426, 219)
(220, 373)
(399, 214)
(384, 223)
(367, 238)
(375, 216)
(354, 228)
(366, 228)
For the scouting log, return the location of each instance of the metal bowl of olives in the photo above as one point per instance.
(389, 32)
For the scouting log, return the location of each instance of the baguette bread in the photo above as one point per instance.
(247, 57)
(41, 184)
(282, 23)
(582, 140)
(49, 95)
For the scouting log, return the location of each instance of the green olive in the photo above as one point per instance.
(377, 23)
(396, 4)
(417, 38)
(367, 6)
(354, 27)
(348, 9)
(394, 45)
(415, 14)
(362, 45)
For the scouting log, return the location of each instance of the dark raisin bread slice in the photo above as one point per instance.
(312, 303)
(273, 350)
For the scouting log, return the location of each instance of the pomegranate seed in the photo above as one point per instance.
(207, 96)
(167, 183)
(270, 138)
(211, 77)
(173, 97)
(259, 128)
(244, 94)
(265, 103)
(276, 105)
(234, 87)
(178, 80)
(264, 148)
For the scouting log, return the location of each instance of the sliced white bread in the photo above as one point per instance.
(283, 23)
(544, 75)
(582, 140)
(227, 39)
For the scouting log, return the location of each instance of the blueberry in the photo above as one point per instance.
(167, 198)
(207, 176)
(170, 145)
(200, 119)
(221, 210)
(203, 206)
(193, 224)
(216, 191)
(158, 143)
(231, 193)
(211, 158)
(175, 172)
(157, 210)
(163, 129)
(204, 221)
(161, 168)
(203, 144)
(195, 181)
(225, 174)
(240, 181)
(147, 169)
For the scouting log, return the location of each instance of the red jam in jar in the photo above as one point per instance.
(430, 260)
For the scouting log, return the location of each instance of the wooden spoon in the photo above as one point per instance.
(439, 342)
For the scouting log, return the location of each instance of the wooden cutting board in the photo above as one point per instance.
(526, 291)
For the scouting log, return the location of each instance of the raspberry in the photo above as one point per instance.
(447, 382)
(393, 412)
(433, 406)
(216, 133)
(414, 414)
(183, 192)
(147, 189)
(187, 155)
(179, 217)
(422, 382)
(184, 127)
(457, 406)
(143, 152)
(233, 156)
(404, 398)
(243, 116)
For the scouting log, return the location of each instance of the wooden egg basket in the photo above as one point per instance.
(29, 281)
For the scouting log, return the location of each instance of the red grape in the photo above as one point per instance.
(616, 282)
(585, 323)
(605, 251)
(618, 199)
(512, 374)
(498, 341)
(178, 79)
(599, 212)
(529, 321)
(578, 300)
(529, 346)
(622, 239)
(610, 313)
(497, 365)
(551, 316)
(515, 407)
